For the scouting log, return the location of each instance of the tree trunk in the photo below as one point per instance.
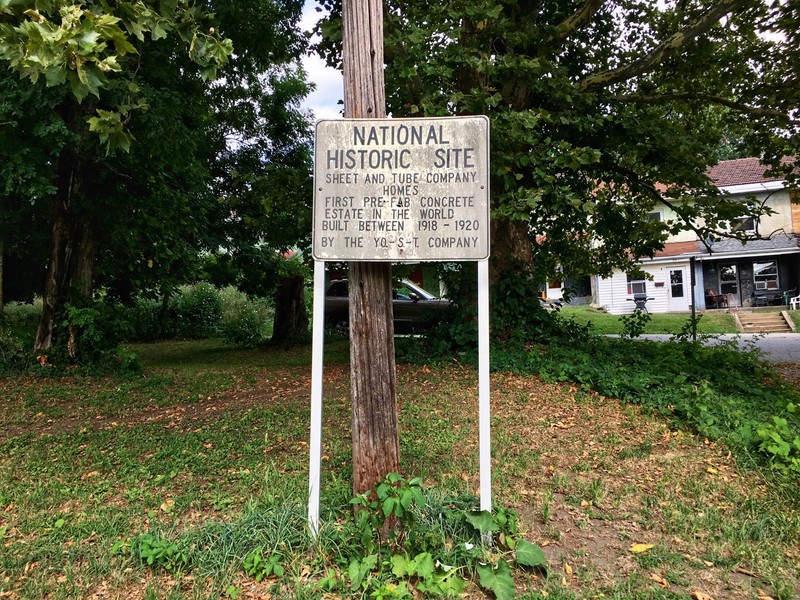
(512, 250)
(291, 317)
(2, 304)
(376, 447)
(72, 252)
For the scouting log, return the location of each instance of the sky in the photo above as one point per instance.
(323, 101)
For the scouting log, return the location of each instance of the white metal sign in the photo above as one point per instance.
(401, 189)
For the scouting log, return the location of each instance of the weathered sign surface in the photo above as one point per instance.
(401, 189)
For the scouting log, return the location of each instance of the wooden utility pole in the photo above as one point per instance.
(376, 445)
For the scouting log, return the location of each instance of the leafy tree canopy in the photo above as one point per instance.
(144, 158)
(599, 109)
(83, 45)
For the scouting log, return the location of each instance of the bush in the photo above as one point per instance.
(88, 337)
(200, 311)
(144, 320)
(195, 312)
(22, 319)
(15, 356)
(245, 321)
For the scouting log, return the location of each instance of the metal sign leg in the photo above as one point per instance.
(485, 442)
(315, 442)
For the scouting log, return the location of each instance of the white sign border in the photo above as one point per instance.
(416, 258)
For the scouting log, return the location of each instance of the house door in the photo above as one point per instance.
(729, 283)
(678, 294)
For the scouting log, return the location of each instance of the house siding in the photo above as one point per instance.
(794, 197)
(612, 292)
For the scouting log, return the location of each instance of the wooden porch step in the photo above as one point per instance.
(763, 322)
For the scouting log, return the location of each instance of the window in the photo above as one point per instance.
(744, 224)
(636, 284)
(676, 283)
(654, 217)
(765, 275)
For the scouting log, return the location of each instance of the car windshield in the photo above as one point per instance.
(402, 291)
(407, 288)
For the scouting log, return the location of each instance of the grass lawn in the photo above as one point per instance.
(206, 455)
(711, 322)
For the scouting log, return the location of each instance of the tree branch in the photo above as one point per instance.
(579, 18)
(702, 232)
(755, 111)
(663, 50)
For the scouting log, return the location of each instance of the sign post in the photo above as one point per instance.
(401, 190)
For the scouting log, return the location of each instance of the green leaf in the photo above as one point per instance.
(483, 521)
(498, 579)
(529, 555)
(424, 565)
(388, 506)
(400, 565)
(355, 574)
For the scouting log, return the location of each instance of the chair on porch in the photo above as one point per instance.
(719, 300)
(794, 303)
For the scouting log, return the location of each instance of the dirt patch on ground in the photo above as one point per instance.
(594, 480)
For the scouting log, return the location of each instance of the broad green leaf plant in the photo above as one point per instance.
(93, 46)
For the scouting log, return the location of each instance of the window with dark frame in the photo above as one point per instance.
(676, 283)
(765, 275)
(744, 224)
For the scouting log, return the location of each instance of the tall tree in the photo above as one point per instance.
(92, 50)
(137, 186)
(599, 110)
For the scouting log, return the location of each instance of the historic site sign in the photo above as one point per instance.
(401, 189)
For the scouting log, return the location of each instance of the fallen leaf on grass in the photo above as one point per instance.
(697, 595)
(743, 571)
(762, 595)
(567, 569)
(640, 548)
(167, 506)
(90, 475)
(662, 583)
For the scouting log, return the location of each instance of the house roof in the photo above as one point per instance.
(740, 171)
(678, 248)
(775, 243)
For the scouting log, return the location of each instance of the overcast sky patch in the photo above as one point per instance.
(323, 101)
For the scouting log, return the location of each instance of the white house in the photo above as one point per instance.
(730, 273)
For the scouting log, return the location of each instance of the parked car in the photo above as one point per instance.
(415, 309)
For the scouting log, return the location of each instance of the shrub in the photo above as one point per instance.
(634, 324)
(22, 319)
(144, 320)
(14, 354)
(195, 312)
(245, 321)
(88, 336)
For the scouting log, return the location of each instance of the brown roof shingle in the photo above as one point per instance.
(739, 171)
